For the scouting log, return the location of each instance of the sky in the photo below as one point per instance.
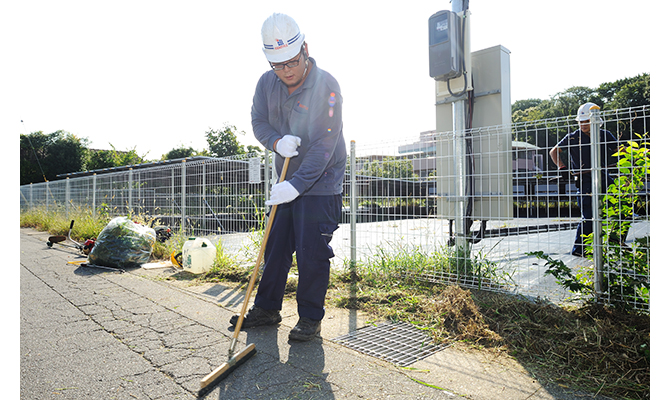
(156, 75)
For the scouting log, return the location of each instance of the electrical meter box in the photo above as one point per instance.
(445, 53)
(490, 138)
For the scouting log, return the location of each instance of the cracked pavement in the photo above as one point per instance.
(95, 334)
(89, 334)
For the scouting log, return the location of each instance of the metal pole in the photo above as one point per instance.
(596, 189)
(130, 191)
(268, 176)
(202, 190)
(183, 195)
(353, 204)
(460, 160)
(171, 196)
(95, 189)
(459, 5)
(67, 198)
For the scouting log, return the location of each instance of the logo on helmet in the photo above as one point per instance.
(280, 44)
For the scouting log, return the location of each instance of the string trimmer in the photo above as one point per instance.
(85, 248)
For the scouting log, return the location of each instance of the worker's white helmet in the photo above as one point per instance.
(282, 38)
(584, 112)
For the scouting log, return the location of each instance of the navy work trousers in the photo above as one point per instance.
(585, 202)
(304, 226)
(585, 226)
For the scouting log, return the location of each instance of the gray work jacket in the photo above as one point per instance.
(314, 113)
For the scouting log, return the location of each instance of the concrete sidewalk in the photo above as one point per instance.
(95, 334)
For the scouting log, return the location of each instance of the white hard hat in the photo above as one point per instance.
(282, 38)
(584, 112)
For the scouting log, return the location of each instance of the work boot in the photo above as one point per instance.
(257, 317)
(306, 329)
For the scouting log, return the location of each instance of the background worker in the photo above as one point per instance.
(297, 113)
(578, 145)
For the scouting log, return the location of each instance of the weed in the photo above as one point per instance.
(54, 221)
(225, 268)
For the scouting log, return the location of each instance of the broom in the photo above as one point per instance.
(235, 359)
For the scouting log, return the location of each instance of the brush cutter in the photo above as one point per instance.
(85, 263)
(85, 248)
(235, 359)
(163, 233)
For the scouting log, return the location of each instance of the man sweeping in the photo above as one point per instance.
(297, 113)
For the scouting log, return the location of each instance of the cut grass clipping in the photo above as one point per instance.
(592, 348)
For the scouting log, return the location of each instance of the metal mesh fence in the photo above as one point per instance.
(483, 222)
(473, 207)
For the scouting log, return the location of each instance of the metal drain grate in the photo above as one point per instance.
(399, 343)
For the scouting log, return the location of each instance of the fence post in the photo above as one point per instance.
(95, 189)
(460, 160)
(172, 196)
(268, 177)
(596, 188)
(130, 191)
(353, 204)
(203, 225)
(67, 198)
(183, 195)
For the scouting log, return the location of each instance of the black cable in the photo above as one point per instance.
(462, 51)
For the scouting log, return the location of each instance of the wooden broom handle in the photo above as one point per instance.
(259, 259)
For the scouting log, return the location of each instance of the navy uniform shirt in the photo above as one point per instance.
(314, 113)
(578, 145)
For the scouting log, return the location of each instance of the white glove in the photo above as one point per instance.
(287, 146)
(283, 192)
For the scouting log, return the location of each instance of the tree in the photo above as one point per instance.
(532, 113)
(223, 142)
(253, 151)
(388, 167)
(129, 157)
(567, 102)
(631, 92)
(522, 105)
(99, 159)
(181, 152)
(43, 157)
(624, 93)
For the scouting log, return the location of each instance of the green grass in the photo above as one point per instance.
(55, 222)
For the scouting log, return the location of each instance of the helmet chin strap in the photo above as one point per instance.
(306, 68)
